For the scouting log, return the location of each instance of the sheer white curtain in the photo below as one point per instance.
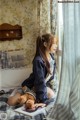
(67, 106)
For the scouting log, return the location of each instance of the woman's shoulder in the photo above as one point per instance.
(38, 58)
(37, 62)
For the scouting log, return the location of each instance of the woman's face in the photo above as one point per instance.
(54, 46)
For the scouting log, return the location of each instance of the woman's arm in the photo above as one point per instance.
(39, 82)
(29, 82)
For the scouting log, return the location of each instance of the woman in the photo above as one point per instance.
(44, 68)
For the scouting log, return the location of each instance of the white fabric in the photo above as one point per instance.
(11, 78)
(67, 106)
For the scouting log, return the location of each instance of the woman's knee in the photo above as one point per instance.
(50, 92)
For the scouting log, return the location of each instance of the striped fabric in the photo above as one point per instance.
(67, 105)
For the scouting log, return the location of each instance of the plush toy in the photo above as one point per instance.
(28, 98)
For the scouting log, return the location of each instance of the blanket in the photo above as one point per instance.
(7, 112)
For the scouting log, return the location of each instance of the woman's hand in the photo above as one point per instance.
(39, 105)
(24, 88)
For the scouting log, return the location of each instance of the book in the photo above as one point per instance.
(39, 110)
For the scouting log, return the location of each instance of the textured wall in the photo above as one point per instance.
(24, 13)
(32, 15)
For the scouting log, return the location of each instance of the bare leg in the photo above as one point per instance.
(13, 100)
(50, 92)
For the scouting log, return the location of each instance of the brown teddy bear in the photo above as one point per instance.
(28, 98)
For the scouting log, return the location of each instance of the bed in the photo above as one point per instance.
(11, 79)
(8, 112)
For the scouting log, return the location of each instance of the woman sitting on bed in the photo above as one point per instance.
(43, 77)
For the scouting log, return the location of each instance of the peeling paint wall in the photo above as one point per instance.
(32, 18)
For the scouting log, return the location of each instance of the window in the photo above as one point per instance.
(60, 33)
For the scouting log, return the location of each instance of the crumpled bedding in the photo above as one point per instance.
(8, 112)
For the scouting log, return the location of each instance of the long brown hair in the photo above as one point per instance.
(40, 48)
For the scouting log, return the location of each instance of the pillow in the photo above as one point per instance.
(11, 78)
